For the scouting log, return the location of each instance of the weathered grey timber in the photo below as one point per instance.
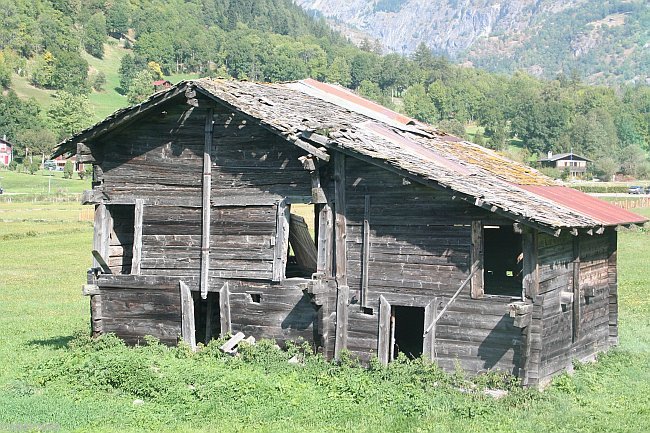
(421, 243)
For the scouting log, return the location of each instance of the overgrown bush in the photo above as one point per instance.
(68, 170)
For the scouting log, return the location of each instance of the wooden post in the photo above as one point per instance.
(383, 342)
(340, 221)
(137, 237)
(341, 341)
(96, 315)
(477, 260)
(102, 232)
(187, 315)
(530, 265)
(205, 206)
(576, 289)
(224, 310)
(281, 241)
(365, 258)
(429, 343)
(343, 292)
(325, 226)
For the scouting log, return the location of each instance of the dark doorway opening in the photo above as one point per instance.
(408, 328)
(503, 261)
(207, 317)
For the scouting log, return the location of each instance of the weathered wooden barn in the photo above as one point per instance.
(422, 243)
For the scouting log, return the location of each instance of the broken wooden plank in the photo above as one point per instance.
(101, 262)
(230, 345)
(188, 331)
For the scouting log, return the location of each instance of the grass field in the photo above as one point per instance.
(43, 183)
(51, 380)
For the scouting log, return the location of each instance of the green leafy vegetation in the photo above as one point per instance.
(66, 381)
(87, 59)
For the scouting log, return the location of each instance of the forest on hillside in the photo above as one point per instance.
(274, 40)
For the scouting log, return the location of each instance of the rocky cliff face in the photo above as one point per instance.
(602, 38)
(447, 26)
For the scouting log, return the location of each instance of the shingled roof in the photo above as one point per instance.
(331, 117)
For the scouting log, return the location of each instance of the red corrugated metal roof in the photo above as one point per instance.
(608, 214)
(355, 99)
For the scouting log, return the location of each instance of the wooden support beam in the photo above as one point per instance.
(365, 253)
(429, 343)
(340, 229)
(101, 262)
(281, 247)
(384, 340)
(476, 284)
(96, 315)
(137, 237)
(102, 232)
(530, 264)
(340, 219)
(206, 209)
(188, 331)
(325, 241)
(224, 310)
(342, 300)
(576, 290)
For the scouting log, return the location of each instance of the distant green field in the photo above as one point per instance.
(44, 182)
(53, 380)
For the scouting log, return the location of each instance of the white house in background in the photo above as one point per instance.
(576, 164)
(6, 153)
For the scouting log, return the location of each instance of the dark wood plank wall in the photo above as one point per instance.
(249, 160)
(159, 159)
(160, 156)
(132, 307)
(419, 248)
(567, 333)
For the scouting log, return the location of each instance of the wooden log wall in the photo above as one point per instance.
(160, 156)
(419, 245)
(158, 160)
(572, 310)
(251, 161)
(134, 306)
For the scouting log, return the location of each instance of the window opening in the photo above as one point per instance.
(120, 251)
(502, 261)
(407, 325)
(302, 258)
(256, 297)
(207, 317)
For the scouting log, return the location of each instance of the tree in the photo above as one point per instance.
(453, 127)
(98, 81)
(68, 169)
(38, 141)
(94, 35)
(605, 168)
(70, 72)
(418, 104)
(339, 72)
(5, 72)
(129, 67)
(117, 19)
(69, 113)
(141, 87)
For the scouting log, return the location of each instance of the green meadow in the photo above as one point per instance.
(54, 378)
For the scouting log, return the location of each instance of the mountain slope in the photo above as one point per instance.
(602, 41)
